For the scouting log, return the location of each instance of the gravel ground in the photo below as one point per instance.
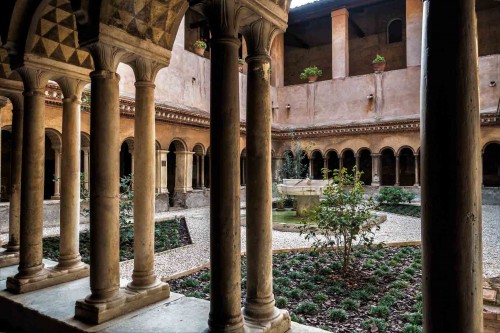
(396, 229)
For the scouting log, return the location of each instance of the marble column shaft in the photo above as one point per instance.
(33, 161)
(225, 243)
(451, 169)
(259, 304)
(417, 167)
(144, 276)
(104, 184)
(86, 153)
(15, 180)
(70, 178)
(397, 170)
(57, 172)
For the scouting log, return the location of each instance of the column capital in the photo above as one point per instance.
(258, 36)
(34, 80)
(86, 150)
(72, 88)
(375, 154)
(145, 70)
(222, 17)
(106, 57)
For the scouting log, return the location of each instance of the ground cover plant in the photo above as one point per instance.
(382, 295)
(396, 200)
(169, 234)
(402, 209)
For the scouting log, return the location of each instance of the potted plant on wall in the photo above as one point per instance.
(199, 46)
(378, 64)
(241, 63)
(311, 74)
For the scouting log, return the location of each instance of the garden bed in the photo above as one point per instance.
(169, 234)
(401, 209)
(381, 294)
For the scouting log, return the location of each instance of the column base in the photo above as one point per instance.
(55, 197)
(375, 184)
(9, 258)
(281, 323)
(49, 277)
(128, 301)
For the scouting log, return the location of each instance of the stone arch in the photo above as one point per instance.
(407, 162)
(348, 159)
(491, 164)
(405, 147)
(157, 145)
(365, 165)
(317, 163)
(178, 144)
(127, 157)
(333, 160)
(394, 31)
(53, 144)
(388, 166)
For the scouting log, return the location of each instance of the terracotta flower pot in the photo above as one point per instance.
(199, 51)
(312, 78)
(378, 67)
(240, 68)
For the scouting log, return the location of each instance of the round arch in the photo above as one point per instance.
(317, 163)
(387, 166)
(491, 164)
(365, 165)
(407, 162)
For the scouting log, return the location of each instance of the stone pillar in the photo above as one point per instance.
(32, 175)
(376, 169)
(183, 171)
(104, 182)
(225, 244)
(397, 171)
(413, 32)
(161, 171)
(259, 305)
(69, 249)
(15, 177)
(340, 43)
(417, 167)
(86, 154)
(357, 164)
(278, 61)
(451, 191)
(198, 184)
(57, 171)
(131, 152)
(243, 171)
(144, 276)
(311, 168)
(341, 162)
(202, 171)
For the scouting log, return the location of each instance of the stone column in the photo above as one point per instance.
(376, 169)
(357, 164)
(340, 43)
(451, 192)
(184, 171)
(144, 276)
(397, 171)
(311, 168)
(225, 244)
(161, 171)
(198, 185)
(243, 171)
(15, 177)
(202, 171)
(413, 32)
(57, 171)
(69, 249)
(32, 175)
(259, 305)
(131, 152)
(104, 181)
(417, 167)
(86, 152)
(341, 161)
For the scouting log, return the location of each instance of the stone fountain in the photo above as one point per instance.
(306, 191)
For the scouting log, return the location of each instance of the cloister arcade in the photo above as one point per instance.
(74, 43)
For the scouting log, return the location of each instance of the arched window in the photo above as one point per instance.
(395, 31)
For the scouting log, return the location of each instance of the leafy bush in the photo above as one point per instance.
(308, 308)
(349, 304)
(337, 314)
(340, 220)
(281, 301)
(394, 196)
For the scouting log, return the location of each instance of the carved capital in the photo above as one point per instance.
(145, 70)
(258, 35)
(72, 88)
(17, 101)
(106, 57)
(34, 80)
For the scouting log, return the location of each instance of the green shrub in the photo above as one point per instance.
(325, 271)
(307, 285)
(374, 279)
(418, 307)
(387, 300)
(396, 293)
(195, 294)
(419, 297)
(411, 328)
(206, 289)
(284, 281)
(190, 283)
(394, 196)
(296, 275)
(320, 297)
(281, 301)
(337, 314)
(369, 264)
(349, 304)
(414, 318)
(295, 293)
(205, 276)
(308, 269)
(370, 288)
(301, 257)
(405, 276)
(276, 272)
(336, 265)
(337, 290)
(307, 308)
(379, 323)
(310, 71)
(296, 318)
(410, 271)
(361, 295)
(399, 284)
(380, 311)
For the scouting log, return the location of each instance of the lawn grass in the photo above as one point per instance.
(382, 292)
(286, 216)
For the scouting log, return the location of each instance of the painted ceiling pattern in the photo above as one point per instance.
(152, 20)
(56, 36)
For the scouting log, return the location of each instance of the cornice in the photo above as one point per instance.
(201, 119)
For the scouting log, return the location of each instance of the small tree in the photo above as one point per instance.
(292, 167)
(342, 219)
